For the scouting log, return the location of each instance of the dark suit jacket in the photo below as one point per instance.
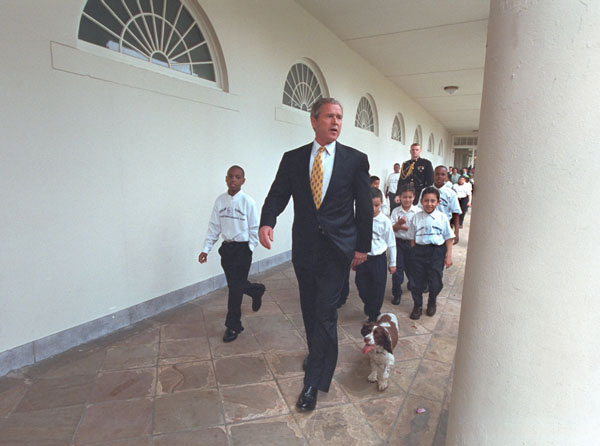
(345, 215)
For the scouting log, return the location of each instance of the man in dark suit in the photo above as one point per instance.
(333, 218)
(416, 171)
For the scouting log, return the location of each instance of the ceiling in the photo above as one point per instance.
(420, 45)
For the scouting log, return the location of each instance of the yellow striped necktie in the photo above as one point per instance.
(316, 178)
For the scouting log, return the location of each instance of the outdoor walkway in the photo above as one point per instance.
(171, 381)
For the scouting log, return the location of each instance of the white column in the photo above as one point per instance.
(528, 358)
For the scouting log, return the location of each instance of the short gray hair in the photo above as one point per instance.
(315, 110)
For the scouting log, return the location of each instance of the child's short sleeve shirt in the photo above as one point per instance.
(430, 229)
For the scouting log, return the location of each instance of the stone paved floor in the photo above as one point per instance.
(171, 381)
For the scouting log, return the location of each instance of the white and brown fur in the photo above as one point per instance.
(383, 335)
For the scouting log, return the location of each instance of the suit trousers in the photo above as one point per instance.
(427, 270)
(371, 277)
(320, 285)
(403, 265)
(236, 258)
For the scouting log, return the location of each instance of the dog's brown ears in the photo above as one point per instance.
(387, 341)
(366, 328)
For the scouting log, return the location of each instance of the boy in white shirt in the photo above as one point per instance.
(449, 204)
(401, 218)
(235, 217)
(431, 240)
(371, 276)
(464, 192)
(375, 182)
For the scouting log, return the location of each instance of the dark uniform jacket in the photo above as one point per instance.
(420, 175)
(346, 214)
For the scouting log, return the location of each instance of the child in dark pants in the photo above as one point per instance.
(235, 217)
(431, 239)
(401, 218)
(371, 275)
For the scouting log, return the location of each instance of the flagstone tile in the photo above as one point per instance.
(184, 350)
(441, 348)
(269, 431)
(12, 391)
(188, 376)
(124, 357)
(404, 372)
(238, 370)
(187, 410)
(280, 340)
(47, 393)
(337, 426)
(77, 361)
(207, 436)
(354, 382)
(171, 332)
(271, 322)
(414, 428)
(267, 308)
(115, 420)
(123, 385)
(252, 401)
(411, 347)
(51, 427)
(287, 364)
(432, 380)
(381, 413)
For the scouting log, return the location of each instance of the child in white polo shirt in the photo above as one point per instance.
(401, 218)
(371, 276)
(235, 217)
(431, 239)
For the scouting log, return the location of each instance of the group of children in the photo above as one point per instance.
(413, 240)
(418, 241)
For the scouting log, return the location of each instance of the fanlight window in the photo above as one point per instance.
(158, 31)
(397, 130)
(302, 87)
(417, 139)
(430, 144)
(364, 116)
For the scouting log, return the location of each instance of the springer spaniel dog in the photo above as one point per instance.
(380, 339)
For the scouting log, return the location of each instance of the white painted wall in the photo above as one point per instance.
(106, 185)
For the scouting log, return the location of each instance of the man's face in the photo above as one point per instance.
(440, 176)
(328, 125)
(396, 168)
(375, 184)
(234, 179)
(415, 151)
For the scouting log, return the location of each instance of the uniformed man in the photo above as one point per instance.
(416, 171)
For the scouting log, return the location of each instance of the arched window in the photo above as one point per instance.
(170, 33)
(366, 114)
(418, 138)
(303, 86)
(441, 147)
(398, 128)
(430, 144)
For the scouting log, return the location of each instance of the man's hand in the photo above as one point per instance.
(202, 257)
(359, 257)
(265, 236)
(392, 269)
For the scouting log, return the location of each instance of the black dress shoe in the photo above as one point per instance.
(396, 300)
(307, 399)
(257, 298)
(231, 334)
(305, 364)
(430, 309)
(416, 313)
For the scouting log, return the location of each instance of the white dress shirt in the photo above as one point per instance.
(430, 229)
(408, 216)
(328, 158)
(383, 238)
(448, 201)
(235, 218)
(392, 182)
(462, 190)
